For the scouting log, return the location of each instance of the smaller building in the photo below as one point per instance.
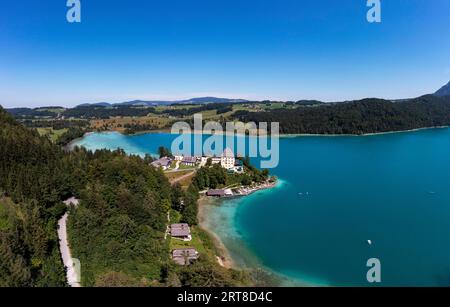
(184, 256)
(189, 161)
(181, 231)
(220, 193)
(163, 163)
(203, 161)
(216, 160)
(178, 158)
(237, 170)
(215, 193)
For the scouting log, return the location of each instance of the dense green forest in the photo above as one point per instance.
(358, 117)
(100, 112)
(305, 116)
(33, 180)
(55, 124)
(117, 231)
(28, 113)
(71, 134)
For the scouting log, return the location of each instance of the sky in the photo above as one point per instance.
(251, 49)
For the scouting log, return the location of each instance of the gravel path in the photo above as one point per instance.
(72, 278)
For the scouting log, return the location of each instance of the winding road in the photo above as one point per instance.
(71, 273)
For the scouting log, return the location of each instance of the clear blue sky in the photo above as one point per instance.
(256, 49)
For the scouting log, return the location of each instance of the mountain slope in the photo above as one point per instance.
(358, 117)
(443, 91)
(32, 182)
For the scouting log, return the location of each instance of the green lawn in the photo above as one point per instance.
(177, 107)
(173, 164)
(51, 133)
(54, 110)
(175, 216)
(196, 242)
(186, 167)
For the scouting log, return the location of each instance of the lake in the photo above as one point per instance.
(335, 194)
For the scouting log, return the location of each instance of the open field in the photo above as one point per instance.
(162, 121)
(183, 178)
(122, 123)
(51, 133)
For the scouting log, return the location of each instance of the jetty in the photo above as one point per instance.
(242, 190)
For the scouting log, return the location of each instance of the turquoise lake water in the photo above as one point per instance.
(336, 193)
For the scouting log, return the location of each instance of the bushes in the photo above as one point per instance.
(210, 177)
(71, 134)
(28, 247)
(190, 209)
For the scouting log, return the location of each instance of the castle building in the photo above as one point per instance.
(227, 159)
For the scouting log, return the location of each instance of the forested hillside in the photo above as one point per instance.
(32, 183)
(117, 231)
(358, 117)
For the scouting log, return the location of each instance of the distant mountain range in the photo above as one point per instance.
(443, 91)
(200, 100)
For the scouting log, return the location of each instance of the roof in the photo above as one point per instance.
(183, 256)
(228, 153)
(189, 160)
(215, 193)
(184, 252)
(163, 162)
(180, 230)
(228, 192)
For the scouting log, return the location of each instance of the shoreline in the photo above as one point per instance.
(69, 146)
(360, 135)
(224, 258)
(221, 249)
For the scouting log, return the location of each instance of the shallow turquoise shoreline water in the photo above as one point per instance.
(337, 193)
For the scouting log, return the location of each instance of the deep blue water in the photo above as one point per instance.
(335, 194)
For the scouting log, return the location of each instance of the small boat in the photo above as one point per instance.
(369, 242)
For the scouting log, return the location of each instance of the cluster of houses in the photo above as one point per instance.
(183, 256)
(181, 231)
(227, 160)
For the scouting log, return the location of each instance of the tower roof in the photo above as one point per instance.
(228, 153)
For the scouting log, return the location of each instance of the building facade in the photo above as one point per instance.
(227, 159)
